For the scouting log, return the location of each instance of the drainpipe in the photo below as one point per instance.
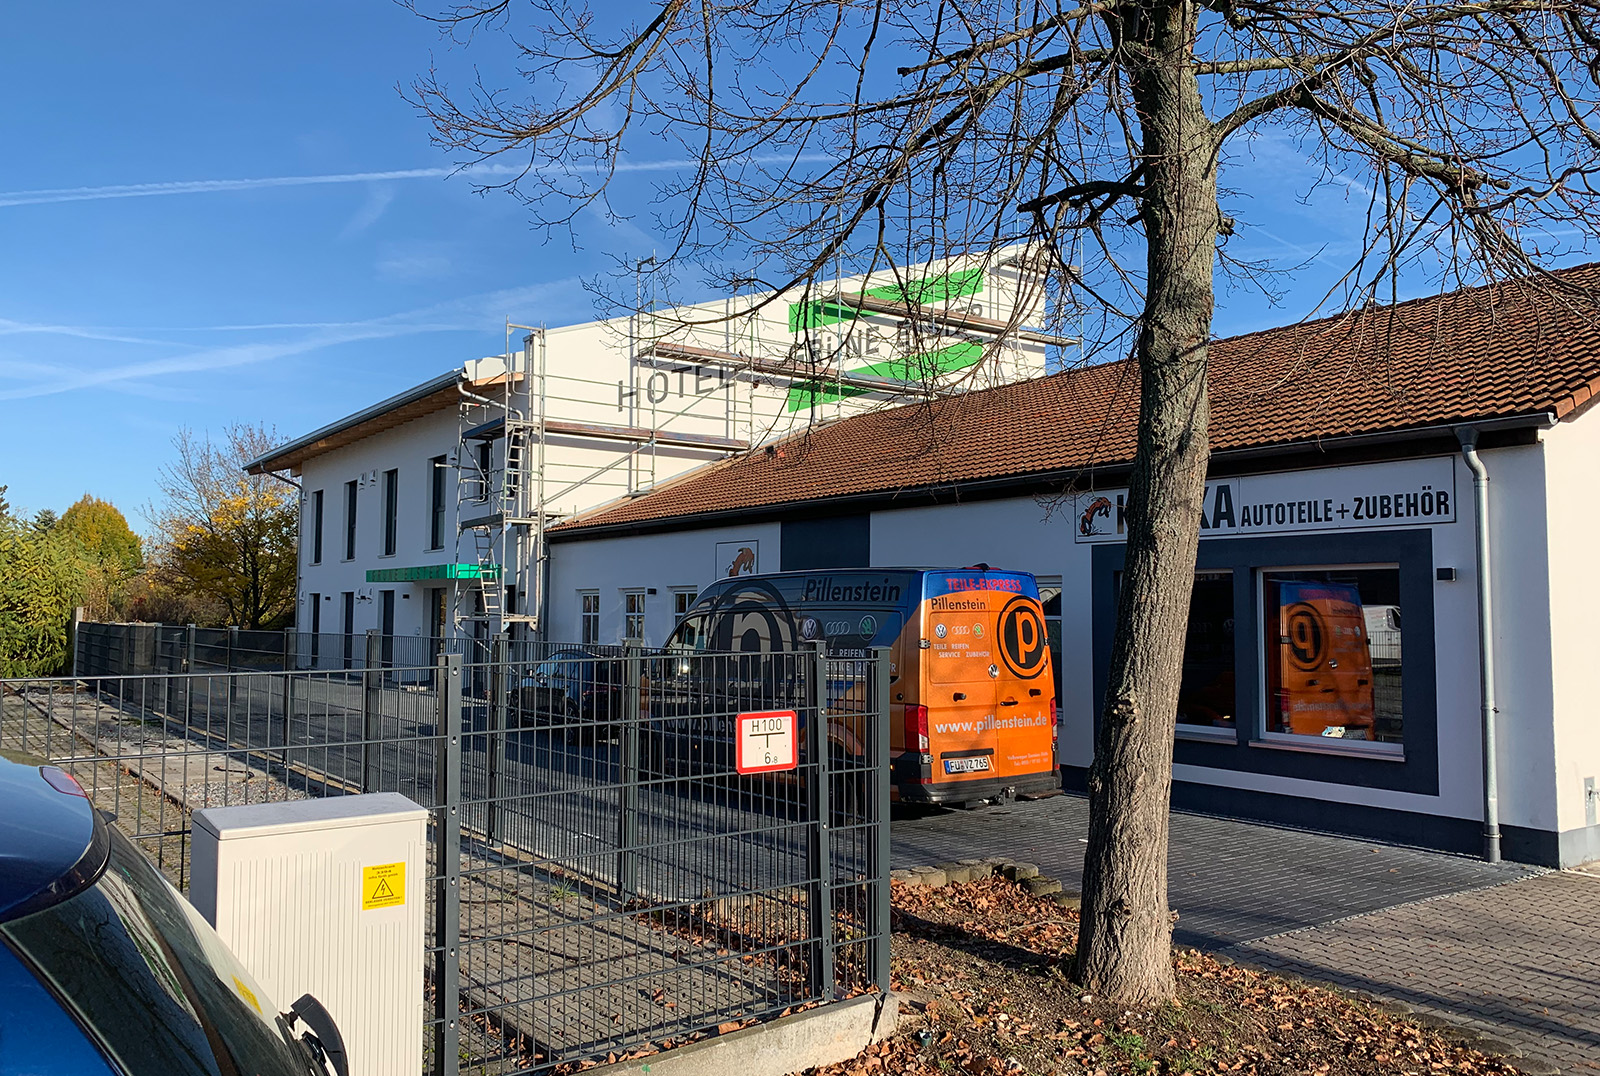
(1480, 510)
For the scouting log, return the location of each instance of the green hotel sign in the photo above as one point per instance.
(432, 571)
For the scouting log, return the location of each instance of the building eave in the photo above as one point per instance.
(433, 395)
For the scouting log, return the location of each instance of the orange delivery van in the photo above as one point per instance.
(972, 705)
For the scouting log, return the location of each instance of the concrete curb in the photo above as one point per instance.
(1025, 875)
(825, 1035)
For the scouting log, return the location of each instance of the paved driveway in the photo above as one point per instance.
(1230, 881)
(1512, 950)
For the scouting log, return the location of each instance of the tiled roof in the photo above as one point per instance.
(1469, 355)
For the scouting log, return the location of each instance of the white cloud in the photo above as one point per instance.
(456, 315)
(378, 199)
(488, 170)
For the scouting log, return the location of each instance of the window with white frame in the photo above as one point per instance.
(633, 615)
(588, 616)
(682, 599)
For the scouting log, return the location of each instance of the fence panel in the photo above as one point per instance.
(602, 878)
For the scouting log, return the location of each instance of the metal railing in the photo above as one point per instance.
(603, 880)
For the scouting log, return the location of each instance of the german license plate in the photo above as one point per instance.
(966, 765)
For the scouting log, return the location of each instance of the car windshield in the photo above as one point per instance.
(151, 982)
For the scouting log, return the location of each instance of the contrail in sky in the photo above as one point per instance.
(209, 186)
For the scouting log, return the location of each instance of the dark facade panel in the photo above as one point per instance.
(826, 542)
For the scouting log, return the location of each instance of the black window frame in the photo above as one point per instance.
(391, 512)
(347, 602)
(436, 505)
(316, 526)
(386, 612)
(1417, 770)
(352, 500)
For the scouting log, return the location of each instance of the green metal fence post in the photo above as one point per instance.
(499, 691)
(628, 782)
(233, 681)
(447, 892)
(882, 779)
(188, 681)
(371, 707)
(820, 802)
(290, 660)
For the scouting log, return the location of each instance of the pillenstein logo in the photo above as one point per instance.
(1412, 493)
(823, 589)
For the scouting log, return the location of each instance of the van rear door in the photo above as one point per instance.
(960, 681)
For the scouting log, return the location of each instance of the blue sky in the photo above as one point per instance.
(243, 292)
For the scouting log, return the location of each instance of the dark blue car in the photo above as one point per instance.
(106, 969)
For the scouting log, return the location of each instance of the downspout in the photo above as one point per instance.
(1480, 509)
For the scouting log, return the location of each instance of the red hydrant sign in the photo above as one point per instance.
(766, 742)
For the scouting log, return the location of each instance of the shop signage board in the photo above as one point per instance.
(766, 742)
(1405, 493)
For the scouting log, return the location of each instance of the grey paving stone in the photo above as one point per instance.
(1229, 880)
(1528, 979)
(1509, 949)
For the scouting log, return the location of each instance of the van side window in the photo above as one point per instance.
(691, 636)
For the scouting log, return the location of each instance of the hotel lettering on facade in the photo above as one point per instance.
(1331, 672)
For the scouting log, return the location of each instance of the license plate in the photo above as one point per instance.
(966, 765)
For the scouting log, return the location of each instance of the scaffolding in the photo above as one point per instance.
(689, 395)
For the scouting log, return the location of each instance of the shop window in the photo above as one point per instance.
(633, 615)
(588, 617)
(1207, 695)
(1332, 655)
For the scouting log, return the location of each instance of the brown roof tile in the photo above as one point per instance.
(1473, 354)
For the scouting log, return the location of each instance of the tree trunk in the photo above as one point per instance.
(1124, 948)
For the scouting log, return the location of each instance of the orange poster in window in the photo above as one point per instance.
(1320, 680)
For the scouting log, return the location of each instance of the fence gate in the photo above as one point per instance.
(603, 878)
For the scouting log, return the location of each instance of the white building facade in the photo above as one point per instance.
(410, 527)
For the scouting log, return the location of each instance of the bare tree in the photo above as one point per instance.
(882, 134)
(224, 537)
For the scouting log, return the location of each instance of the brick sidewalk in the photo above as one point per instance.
(1520, 962)
(1231, 881)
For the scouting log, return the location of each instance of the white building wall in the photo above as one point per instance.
(686, 560)
(1523, 633)
(604, 374)
(1572, 463)
(407, 448)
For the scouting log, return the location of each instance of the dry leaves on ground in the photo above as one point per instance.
(985, 968)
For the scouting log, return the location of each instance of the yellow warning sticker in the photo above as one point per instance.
(383, 886)
(246, 993)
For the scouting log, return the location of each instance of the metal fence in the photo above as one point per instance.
(602, 880)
